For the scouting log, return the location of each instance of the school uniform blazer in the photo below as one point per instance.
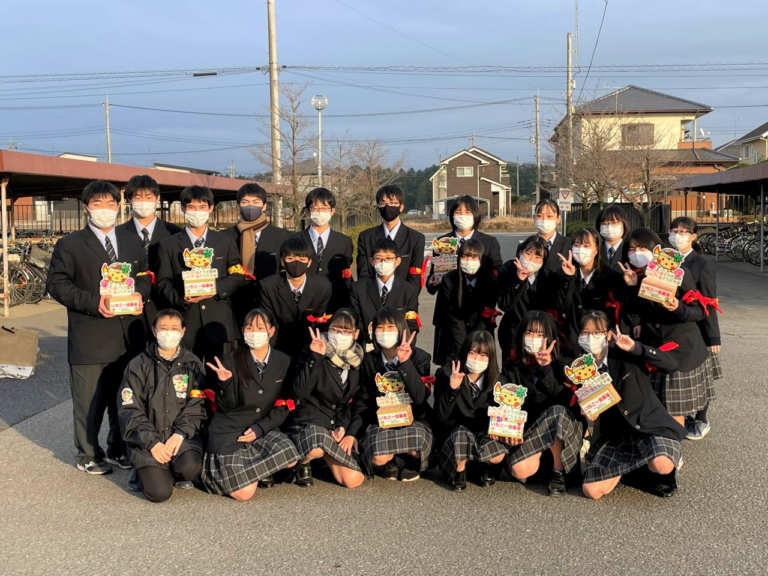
(561, 245)
(291, 320)
(617, 255)
(704, 274)
(212, 317)
(73, 281)
(366, 302)
(321, 398)
(412, 372)
(241, 405)
(334, 267)
(411, 244)
(455, 408)
(491, 254)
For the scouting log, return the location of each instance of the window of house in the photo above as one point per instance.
(465, 171)
(441, 179)
(637, 134)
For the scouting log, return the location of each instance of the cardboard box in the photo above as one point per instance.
(598, 401)
(123, 305)
(657, 290)
(506, 422)
(395, 416)
(204, 287)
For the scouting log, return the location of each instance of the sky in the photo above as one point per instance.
(89, 36)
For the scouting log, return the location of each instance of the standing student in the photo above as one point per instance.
(465, 303)
(162, 410)
(211, 329)
(463, 391)
(326, 381)
(297, 301)
(547, 219)
(386, 288)
(613, 226)
(99, 344)
(259, 244)
(331, 256)
(390, 200)
(245, 447)
(393, 352)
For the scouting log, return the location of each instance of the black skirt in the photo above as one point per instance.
(617, 457)
(307, 437)
(417, 437)
(555, 422)
(465, 445)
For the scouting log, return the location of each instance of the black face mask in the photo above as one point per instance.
(389, 213)
(250, 212)
(296, 268)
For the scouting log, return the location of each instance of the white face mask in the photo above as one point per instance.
(593, 344)
(256, 340)
(387, 339)
(168, 339)
(532, 344)
(640, 258)
(320, 218)
(384, 268)
(680, 242)
(103, 217)
(196, 219)
(463, 221)
(143, 209)
(475, 366)
(545, 226)
(529, 266)
(611, 231)
(583, 255)
(341, 341)
(470, 266)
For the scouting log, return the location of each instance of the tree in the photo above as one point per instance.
(372, 171)
(339, 177)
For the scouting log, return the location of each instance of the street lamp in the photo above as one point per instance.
(319, 102)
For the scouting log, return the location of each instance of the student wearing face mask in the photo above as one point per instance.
(325, 382)
(332, 251)
(161, 410)
(99, 344)
(547, 219)
(381, 447)
(297, 300)
(613, 226)
(369, 295)
(244, 445)
(465, 303)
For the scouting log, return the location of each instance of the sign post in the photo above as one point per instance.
(564, 201)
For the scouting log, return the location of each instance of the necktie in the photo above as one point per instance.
(320, 248)
(611, 252)
(260, 367)
(199, 242)
(583, 283)
(297, 296)
(255, 241)
(469, 290)
(461, 242)
(110, 250)
(384, 293)
(145, 243)
(475, 389)
(391, 367)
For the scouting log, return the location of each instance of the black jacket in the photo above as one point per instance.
(366, 301)
(491, 254)
(335, 266)
(213, 317)
(241, 405)
(73, 281)
(561, 245)
(411, 244)
(617, 255)
(457, 407)
(152, 407)
(704, 273)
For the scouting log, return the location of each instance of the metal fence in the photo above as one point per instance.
(660, 216)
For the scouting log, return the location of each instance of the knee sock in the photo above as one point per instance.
(702, 414)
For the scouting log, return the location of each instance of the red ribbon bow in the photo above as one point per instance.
(491, 314)
(289, 403)
(615, 304)
(692, 296)
(250, 277)
(211, 396)
(322, 320)
(422, 271)
(429, 381)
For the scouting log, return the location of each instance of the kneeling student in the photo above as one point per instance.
(160, 407)
(245, 446)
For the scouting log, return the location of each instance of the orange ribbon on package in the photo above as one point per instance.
(288, 403)
(491, 314)
(615, 304)
(322, 320)
(692, 296)
(411, 315)
(150, 274)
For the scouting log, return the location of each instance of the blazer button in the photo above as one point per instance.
(579, 306)
(258, 410)
(657, 325)
(333, 407)
(319, 269)
(638, 426)
(203, 308)
(167, 411)
(331, 421)
(261, 391)
(626, 412)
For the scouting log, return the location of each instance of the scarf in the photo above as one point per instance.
(248, 240)
(344, 359)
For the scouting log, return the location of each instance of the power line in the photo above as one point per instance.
(597, 41)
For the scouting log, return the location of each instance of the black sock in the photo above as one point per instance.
(702, 414)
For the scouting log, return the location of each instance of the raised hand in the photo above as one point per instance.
(318, 344)
(456, 377)
(404, 351)
(630, 278)
(544, 356)
(222, 373)
(568, 268)
(522, 273)
(622, 340)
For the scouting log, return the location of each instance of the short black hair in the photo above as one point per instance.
(470, 204)
(540, 247)
(641, 238)
(345, 318)
(191, 193)
(99, 189)
(597, 317)
(613, 214)
(389, 315)
(168, 313)
(385, 245)
(141, 182)
(390, 191)
(588, 232)
(295, 246)
(484, 343)
(535, 320)
(322, 195)
(547, 202)
(689, 224)
(252, 189)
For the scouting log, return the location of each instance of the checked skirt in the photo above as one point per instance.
(685, 393)
(307, 437)
(555, 422)
(465, 445)
(617, 457)
(417, 437)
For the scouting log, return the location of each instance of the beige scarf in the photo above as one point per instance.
(248, 240)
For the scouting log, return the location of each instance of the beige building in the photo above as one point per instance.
(753, 146)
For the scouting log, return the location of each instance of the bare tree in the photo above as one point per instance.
(339, 175)
(372, 170)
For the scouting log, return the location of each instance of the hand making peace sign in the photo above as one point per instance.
(544, 356)
(221, 372)
(623, 341)
(318, 344)
(630, 278)
(568, 267)
(404, 351)
(456, 377)
(522, 273)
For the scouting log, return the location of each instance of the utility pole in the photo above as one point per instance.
(109, 142)
(274, 105)
(517, 175)
(569, 103)
(473, 139)
(232, 170)
(576, 47)
(538, 152)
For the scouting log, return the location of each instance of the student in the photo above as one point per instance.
(327, 378)
(143, 193)
(546, 220)
(259, 244)
(637, 433)
(386, 288)
(296, 301)
(99, 344)
(682, 237)
(465, 216)
(331, 255)
(465, 303)
(245, 447)
(393, 352)
(162, 410)
(554, 423)
(391, 202)
(211, 329)
(463, 391)
(613, 226)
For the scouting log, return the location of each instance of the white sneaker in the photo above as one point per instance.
(697, 430)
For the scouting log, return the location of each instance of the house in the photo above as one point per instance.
(473, 172)
(753, 146)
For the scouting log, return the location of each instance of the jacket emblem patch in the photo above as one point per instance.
(127, 396)
(180, 384)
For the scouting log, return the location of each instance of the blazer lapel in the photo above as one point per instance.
(286, 293)
(95, 245)
(373, 293)
(465, 390)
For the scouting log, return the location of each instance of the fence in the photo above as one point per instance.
(660, 216)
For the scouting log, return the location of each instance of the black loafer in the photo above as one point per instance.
(304, 476)
(557, 483)
(411, 469)
(459, 481)
(267, 482)
(390, 470)
(663, 485)
(489, 474)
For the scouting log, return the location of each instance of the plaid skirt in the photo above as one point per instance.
(227, 473)
(307, 437)
(417, 437)
(555, 422)
(617, 457)
(685, 393)
(465, 445)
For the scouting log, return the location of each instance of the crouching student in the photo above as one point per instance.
(245, 446)
(637, 434)
(554, 423)
(326, 379)
(463, 389)
(393, 354)
(161, 410)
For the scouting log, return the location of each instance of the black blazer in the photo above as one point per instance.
(291, 320)
(321, 398)
(366, 301)
(73, 281)
(704, 274)
(241, 405)
(335, 266)
(617, 255)
(561, 245)
(457, 407)
(491, 254)
(212, 319)
(411, 244)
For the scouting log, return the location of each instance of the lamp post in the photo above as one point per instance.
(319, 102)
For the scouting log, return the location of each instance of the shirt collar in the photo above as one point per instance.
(193, 238)
(396, 361)
(552, 239)
(586, 278)
(615, 246)
(471, 282)
(150, 227)
(467, 237)
(532, 278)
(388, 283)
(266, 358)
(101, 235)
(313, 234)
(300, 288)
(391, 233)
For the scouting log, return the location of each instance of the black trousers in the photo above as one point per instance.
(157, 483)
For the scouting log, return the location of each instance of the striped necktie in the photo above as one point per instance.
(384, 294)
(297, 296)
(145, 242)
(611, 252)
(199, 242)
(320, 248)
(110, 250)
(260, 367)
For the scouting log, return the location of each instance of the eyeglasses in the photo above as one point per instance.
(341, 331)
(595, 333)
(380, 260)
(383, 204)
(680, 232)
(320, 209)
